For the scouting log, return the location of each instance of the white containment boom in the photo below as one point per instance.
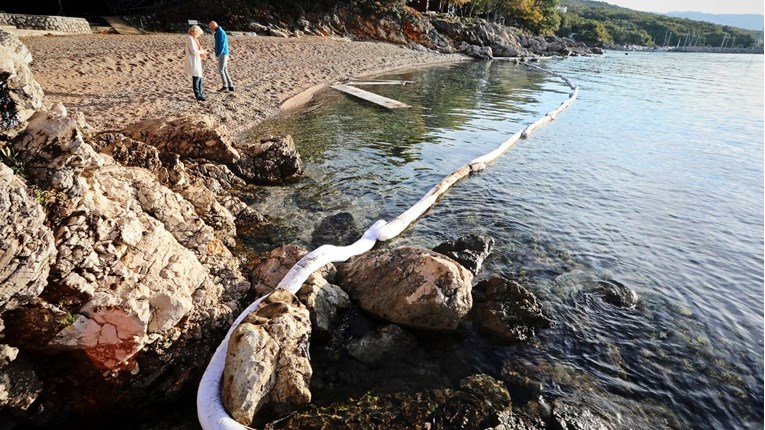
(210, 410)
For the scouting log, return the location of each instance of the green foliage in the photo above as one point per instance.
(10, 159)
(629, 27)
(41, 196)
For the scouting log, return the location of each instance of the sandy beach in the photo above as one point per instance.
(116, 80)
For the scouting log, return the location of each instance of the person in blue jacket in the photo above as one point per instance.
(221, 53)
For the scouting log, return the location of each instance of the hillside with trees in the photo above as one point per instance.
(596, 22)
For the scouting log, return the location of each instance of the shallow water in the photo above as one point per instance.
(653, 179)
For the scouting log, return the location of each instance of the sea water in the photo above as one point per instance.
(652, 180)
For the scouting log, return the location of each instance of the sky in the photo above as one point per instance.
(708, 6)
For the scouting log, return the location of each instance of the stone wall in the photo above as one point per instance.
(64, 24)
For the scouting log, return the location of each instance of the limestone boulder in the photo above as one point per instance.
(20, 94)
(27, 248)
(324, 302)
(267, 361)
(410, 286)
(271, 267)
(272, 160)
(470, 250)
(136, 283)
(189, 136)
(507, 310)
(476, 51)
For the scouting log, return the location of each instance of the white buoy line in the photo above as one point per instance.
(210, 410)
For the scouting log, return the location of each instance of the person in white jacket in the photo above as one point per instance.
(194, 56)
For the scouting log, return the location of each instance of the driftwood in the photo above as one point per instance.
(210, 410)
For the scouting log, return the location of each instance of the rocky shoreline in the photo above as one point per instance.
(120, 272)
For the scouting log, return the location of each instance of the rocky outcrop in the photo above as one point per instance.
(133, 280)
(503, 308)
(20, 94)
(204, 184)
(470, 250)
(26, 243)
(191, 136)
(273, 160)
(267, 361)
(410, 286)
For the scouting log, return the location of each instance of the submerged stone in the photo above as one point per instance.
(617, 294)
(506, 309)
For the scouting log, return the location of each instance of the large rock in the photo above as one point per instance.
(410, 286)
(205, 185)
(26, 243)
(190, 136)
(324, 301)
(470, 250)
(267, 361)
(137, 283)
(505, 309)
(272, 160)
(475, 51)
(20, 94)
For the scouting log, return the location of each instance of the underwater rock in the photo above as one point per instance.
(569, 417)
(475, 405)
(267, 361)
(470, 250)
(339, 229)
(387, 342)
(505, 309)
(411, 286)
(617, 294)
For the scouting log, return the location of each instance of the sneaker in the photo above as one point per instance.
(201, 99)
(223, 89)
(231, 88)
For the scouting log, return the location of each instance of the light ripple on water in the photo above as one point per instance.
(654, 179)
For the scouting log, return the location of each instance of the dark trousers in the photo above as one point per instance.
(196, 81)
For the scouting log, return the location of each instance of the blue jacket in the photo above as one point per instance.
(221, 42)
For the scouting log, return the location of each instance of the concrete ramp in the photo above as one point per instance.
(121, 26)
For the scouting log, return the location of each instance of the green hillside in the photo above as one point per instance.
(598, 22)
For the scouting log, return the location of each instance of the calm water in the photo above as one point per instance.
(653, 179)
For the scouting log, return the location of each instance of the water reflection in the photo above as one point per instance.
(644, 183)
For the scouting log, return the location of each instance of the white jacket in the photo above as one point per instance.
(193, 65)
